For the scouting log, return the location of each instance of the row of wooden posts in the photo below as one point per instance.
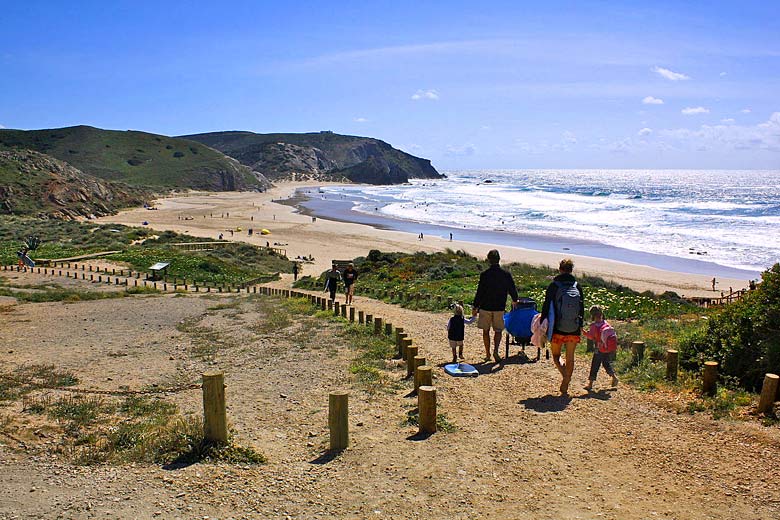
(769, 389)
(214, 408)
(101, 275)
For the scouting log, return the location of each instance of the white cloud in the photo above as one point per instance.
(569, 138)
(745, 111)
(764, 136)
(431, 94)
(727, 120)
(1, 126)
(650, 100)
(360, 120)
(670, 75)
(724, 74)
(460, 151)
(692, 111)
(644, 132)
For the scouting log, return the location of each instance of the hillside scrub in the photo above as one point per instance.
(743, 337)
(233, 263)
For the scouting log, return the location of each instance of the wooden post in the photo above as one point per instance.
(768, 393)
(330, 305)
(336, 309)
(638, 350)
(426, 405)
(399, 337)
(378, 326)
(672, 358)
(406, 342)
(411, 352)
(352, 314)
(338, 419)
(418, 361)
(710, 378)
(361, 319)
(388, 329)
(369, 319)
(344, 311)
(323, 303)
(425, 375)
(214, 412)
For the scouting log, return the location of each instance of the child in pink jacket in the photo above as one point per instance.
(602, 333)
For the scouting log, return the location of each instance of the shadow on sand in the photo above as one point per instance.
(547, 404)
(326, 457)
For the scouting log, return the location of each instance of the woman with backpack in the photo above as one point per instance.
(602, 333)
(564, 308)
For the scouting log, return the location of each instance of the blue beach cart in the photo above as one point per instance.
(517, 324)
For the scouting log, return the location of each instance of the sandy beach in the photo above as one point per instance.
(201, 214)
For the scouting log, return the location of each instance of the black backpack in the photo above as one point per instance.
(567, 308)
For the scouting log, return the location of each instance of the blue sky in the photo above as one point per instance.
(517, 84)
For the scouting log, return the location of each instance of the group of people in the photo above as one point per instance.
(562, 314)
(347, 278)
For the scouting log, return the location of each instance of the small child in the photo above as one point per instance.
(603, 334)
(456, 331)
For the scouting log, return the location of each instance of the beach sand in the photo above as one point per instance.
(215, 213)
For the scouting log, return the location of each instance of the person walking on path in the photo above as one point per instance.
(495, 284)
(456, 332)
(332, 280)
(295, 271)
(350, 277)
(602, 333)
(564, 307)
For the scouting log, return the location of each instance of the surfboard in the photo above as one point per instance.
(26, 259)
(461, 370)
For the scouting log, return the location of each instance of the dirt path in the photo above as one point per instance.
(518, 451)
(522, 450)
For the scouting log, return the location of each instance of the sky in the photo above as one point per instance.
(469, 85)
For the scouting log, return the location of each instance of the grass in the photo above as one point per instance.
(136, 429)
(443, 424)
(65, 295)
(206, 341)
(136, 158)
(27, 378)
(233, 264)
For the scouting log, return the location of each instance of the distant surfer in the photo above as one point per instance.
(332, 282)
(350, 277)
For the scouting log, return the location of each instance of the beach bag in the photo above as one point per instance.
(567, 308)
(608, 342)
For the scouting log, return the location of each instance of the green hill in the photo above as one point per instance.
(320, 155)
(138, 158)
(36, 184)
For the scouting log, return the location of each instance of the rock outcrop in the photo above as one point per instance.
(33, 183)
(321, 155)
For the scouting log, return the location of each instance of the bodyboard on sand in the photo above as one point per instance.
(461, 370)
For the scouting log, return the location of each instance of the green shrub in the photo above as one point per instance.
(743, 337)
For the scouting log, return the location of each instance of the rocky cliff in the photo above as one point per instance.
(321, 155)
(33, 183)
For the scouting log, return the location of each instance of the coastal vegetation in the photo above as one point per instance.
(232, 263)
(739, 336)
(137, 158)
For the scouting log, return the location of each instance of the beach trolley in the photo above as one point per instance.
(157, 271)
(517, 324)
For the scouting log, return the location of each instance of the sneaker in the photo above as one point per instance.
(614, 381)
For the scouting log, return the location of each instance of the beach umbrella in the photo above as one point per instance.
(265, 232)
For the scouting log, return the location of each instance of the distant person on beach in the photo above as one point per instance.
(456, 332)
(295, 271)
(350, 277)
(713, 283)
(332, 280)
(564, 306)
(495, 284)
(220, 236)
(450, 237)
(601, 333)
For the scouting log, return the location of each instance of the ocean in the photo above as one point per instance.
(712, 221)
